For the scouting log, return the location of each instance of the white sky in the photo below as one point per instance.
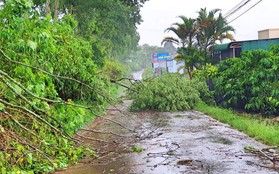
(160, 14)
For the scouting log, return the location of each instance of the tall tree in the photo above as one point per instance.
(212, 27)
(186, 33)
(110, 25)
(108, 22)
(197, 36)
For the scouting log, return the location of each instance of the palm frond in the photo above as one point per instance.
(178, 57)
(170, 39)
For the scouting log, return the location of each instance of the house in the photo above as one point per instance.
(234, 49)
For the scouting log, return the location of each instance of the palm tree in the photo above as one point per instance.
(222, 30)
(185, 32)
(211, 29)
(197, 36)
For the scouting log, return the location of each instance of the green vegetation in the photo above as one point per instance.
(169, 92)
(261, 129)
(55, 76)
(250, 82)
(46, 71)
(196, 37)
(136, 149)
(109, 25)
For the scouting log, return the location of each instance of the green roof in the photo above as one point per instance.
(221, 47)
(259, 44)
(249, 44)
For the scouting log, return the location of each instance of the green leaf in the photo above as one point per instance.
(2, 129)
(30, 158)
(17, 89)
(32, 45)
(3, 170)
(2, 107)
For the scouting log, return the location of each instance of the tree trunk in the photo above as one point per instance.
(56, 12)
(189, 73)
(47, 7)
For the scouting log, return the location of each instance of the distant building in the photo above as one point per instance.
(268, 33)
(227, 50)
(234, 49)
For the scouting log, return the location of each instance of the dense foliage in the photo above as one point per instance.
(209, 72)
(50, 85)
(169, 92)
(109, 25)
(250, 82)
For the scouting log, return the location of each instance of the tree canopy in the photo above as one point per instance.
(110, 25)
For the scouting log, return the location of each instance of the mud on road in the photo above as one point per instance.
(172, 143)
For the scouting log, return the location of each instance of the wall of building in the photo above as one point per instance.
(268, 33)
(274, 33)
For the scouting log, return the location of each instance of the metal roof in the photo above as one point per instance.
(249, 44)
(221, 47)
(258, 44)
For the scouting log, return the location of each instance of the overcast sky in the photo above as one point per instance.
(160, 14)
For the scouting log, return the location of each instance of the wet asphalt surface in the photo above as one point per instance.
(170, 143)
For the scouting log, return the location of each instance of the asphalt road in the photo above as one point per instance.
(169, 143)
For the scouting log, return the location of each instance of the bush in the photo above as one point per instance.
(169, 92)
(250, 82)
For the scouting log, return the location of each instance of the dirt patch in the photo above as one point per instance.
(185, 162)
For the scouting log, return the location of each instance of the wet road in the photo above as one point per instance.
(172, 142)
(138, 75)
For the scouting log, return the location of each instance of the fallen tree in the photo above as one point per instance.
(49, 88)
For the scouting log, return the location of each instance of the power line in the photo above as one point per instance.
(245, 11)
(237, 7)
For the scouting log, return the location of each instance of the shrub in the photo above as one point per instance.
(250, 82)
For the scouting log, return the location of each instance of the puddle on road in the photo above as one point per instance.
(223, 140)
(172, 143)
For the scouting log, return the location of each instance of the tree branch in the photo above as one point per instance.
(121, 84)
(20, 125)
(32, 113)
(41, 98)
(101, 132)
(93, 139)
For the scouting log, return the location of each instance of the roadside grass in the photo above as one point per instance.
(262, 129)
